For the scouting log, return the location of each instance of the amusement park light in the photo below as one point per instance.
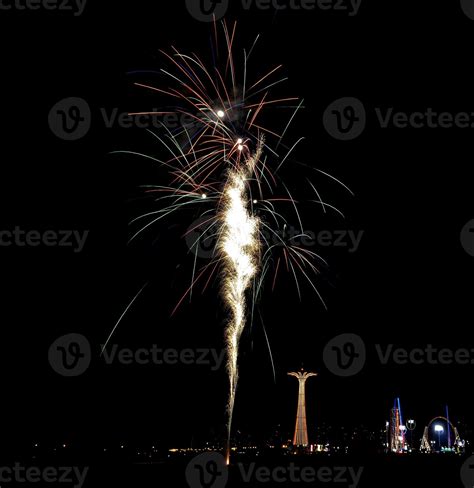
(439, 429)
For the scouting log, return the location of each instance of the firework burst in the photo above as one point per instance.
(239, 246)
(227, 162)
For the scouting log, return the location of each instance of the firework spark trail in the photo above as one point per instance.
(240, 247)
(216, 164)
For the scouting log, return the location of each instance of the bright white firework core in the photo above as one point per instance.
(221, 114)
(240, 248)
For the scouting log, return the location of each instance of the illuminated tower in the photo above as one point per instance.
(397, 429)
(301, 429)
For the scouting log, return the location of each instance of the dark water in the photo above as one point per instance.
(266, 471)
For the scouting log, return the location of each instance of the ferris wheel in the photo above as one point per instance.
(454, 439)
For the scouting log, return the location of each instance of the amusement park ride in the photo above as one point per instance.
(397, 434)
(439, 436)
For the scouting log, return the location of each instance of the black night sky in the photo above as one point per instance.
(408, 284)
